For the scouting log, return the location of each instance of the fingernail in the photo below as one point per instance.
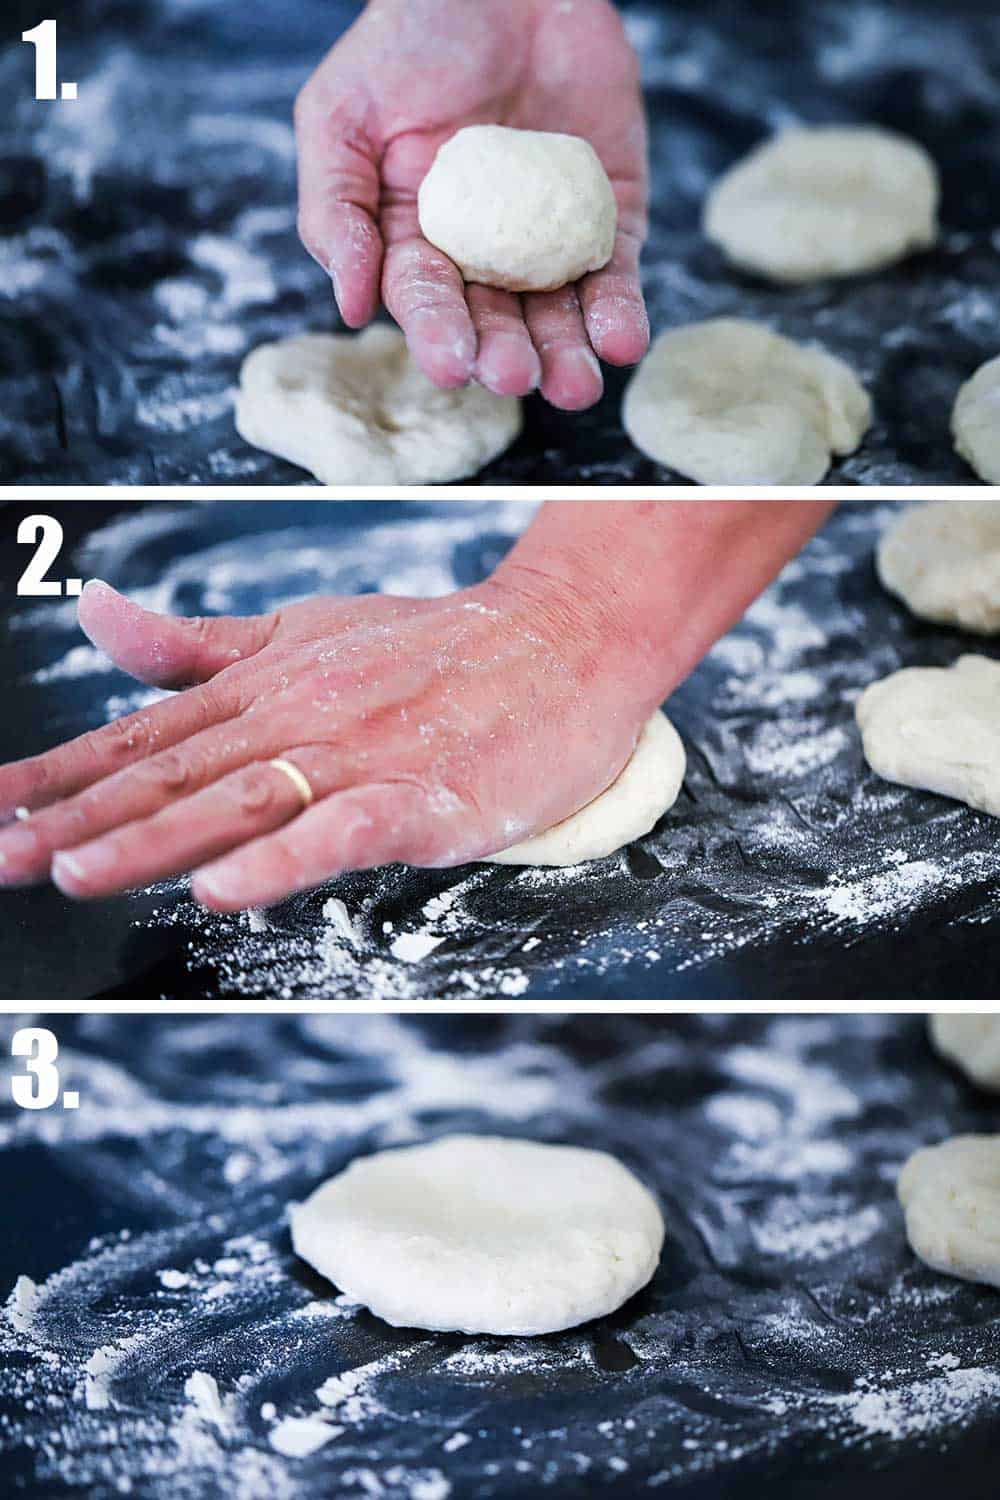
(211, 884)
(76, 871)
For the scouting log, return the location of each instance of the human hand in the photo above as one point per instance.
(430, 731)
(401, 82)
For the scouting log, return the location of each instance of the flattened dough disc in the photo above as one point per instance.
(482, 1234)
(634, 802)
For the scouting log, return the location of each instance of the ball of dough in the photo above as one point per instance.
(482, 1234)
(528, 210)
(937, 728)
(951, 1197)
(943, 560)
(975, 421)
(356, 409)
(825, 201)
(729, 402)
(972, 1042)
(634, 802)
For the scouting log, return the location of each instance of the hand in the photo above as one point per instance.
(431, 731)
(369, 123)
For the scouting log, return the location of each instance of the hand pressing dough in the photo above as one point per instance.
(972, 1042)
(975, 422)
(729, 402)
(951, 1197)
(825, 201)
(937, 728)
(356, 409)
(943, 561)
(481, 1234)
(528, 210)
(633, 803)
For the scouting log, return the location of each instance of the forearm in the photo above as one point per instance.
(647, 587)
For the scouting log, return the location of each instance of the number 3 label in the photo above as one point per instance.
(38, 1086)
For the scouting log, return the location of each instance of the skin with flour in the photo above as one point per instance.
(403, 80)
(423, 726)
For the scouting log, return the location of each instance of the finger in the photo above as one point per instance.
(137, 792)
(45, 779)
(425, 293)
(164, 651)
(238, 807)
(353, 830)
(614, 310)
(507, 363)
(338, 205)
(571, 375)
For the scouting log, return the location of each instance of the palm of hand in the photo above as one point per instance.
(370, 123)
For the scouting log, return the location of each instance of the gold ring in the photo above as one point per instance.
(297, 779)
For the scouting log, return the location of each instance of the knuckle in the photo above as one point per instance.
(122, 739)
(257, 790)
(172, 774)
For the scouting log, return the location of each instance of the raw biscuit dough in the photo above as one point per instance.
(937, 728)
(975, 422)
(528, 210)
(482, 1234)
(972, 1042)
(951, 1198)
(825, 201)
(728, 401)
(943, 560)
(633, 803)
(356, 409)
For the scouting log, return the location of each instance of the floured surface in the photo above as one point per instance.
(151, 243)
(789, 1332)
(785, 868)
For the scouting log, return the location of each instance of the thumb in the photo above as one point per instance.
(162, 650)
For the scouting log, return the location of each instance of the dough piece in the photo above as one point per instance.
(951, 1197)
(729, 402)
(975, 422)
(825, 201)
(972, 1042)
(356, 409)
(943, 560)
(635, 801)
(482, 1234)
(937, 728)
(528, 210)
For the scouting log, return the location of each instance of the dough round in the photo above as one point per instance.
(825, 201)
(943, 560)
(356, 409)
(975, 422)
(528, 210)
(634, 802)
(481, 1234)
(972, 1042)
(951, 1197)
(729, 402)
(937, 728)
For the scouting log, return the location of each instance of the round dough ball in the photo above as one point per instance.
(825, 201)
(951, 1197)
(356, 409)
(975, 422)
(633, 804)
(943, 560)
(482, 1234)
(528, 210)
(972, 1042)
(729, 402)
(937, 728)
